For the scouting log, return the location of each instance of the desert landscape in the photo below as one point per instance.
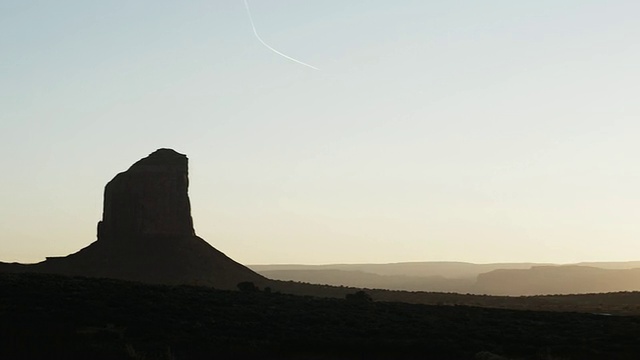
(319, 179)
(178, 297)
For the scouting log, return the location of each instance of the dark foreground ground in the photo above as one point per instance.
(54, 317)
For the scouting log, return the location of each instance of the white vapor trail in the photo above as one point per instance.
(267, 45)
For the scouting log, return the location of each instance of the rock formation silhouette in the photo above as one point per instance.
(148, 200)
(146, 233)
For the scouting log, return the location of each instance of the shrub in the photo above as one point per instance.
(247, 286)
(359, 297)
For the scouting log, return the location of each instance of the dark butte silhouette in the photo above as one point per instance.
(148, 200)
(146, 233)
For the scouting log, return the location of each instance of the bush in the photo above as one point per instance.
(359, 297)
(247, 286)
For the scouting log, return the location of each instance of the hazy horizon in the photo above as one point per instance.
(485, 132)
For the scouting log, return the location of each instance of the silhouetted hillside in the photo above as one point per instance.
(616, 303)
(47, 316)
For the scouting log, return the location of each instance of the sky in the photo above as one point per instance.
(479, 131)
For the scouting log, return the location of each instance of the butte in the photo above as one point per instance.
(146, 234)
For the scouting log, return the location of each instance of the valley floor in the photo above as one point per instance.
(46, 316)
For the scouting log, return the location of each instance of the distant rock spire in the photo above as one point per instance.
(148, 200)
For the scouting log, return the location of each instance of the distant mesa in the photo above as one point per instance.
(146, 233)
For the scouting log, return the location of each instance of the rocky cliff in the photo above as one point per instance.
(148, 200)
(146, 233)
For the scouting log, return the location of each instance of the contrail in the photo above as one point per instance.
(267, 45)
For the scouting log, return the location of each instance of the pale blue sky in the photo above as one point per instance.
(479, 131)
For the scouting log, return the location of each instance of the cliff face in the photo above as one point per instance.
(146, 233)
(148, 200)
